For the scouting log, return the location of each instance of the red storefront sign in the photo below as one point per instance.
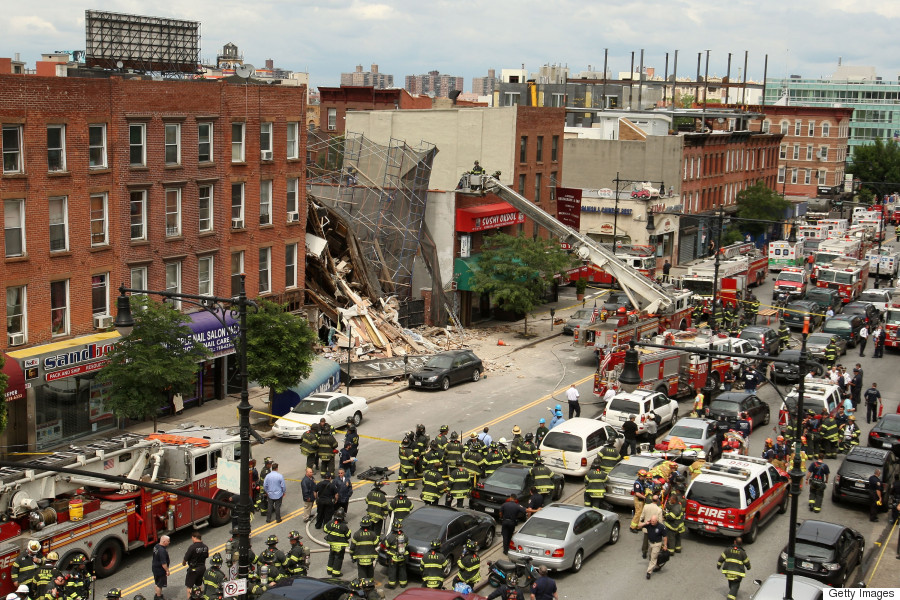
(568, 207)
(488, 216)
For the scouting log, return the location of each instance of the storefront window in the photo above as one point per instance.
(69, 408)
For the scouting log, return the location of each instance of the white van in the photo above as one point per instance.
(571, 446)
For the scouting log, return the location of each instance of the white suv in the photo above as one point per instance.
(640, 403)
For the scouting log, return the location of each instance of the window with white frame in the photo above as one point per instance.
(14, 227)
(823, 177)
(265, 273)
(59, 224)
(809, 152)
(16, 310)
(826, 129)
(290, 265)
(784, 127)
(783, 153)
(137, 144)
(811, 129)
(100, 294)
(793, 176)
(780, 174)
(56, 148)
(205, 274)
(293, 211)
(173, 212)
(204, 142)
(823, 152)
(699, 167)
(59, 307)
(139, 278)
(796, 151)
(265, 202)
(237, 142)
(99, 221)
(12, 149)
(173, 281)
(558, 100)
(173, 143)
(807, 176)
(237, 270)
(265, 141)
(237, 205)
(293, 139)
(97, 146)
(205, 207)
(332, 119)
(798, 127)
(766, 125)
(138, 200)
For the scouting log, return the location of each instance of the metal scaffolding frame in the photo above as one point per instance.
(146, 44)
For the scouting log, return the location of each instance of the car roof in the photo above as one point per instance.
(891, 417)
(563, 512)
(875, 456)
(862, 303)
(579, 426)
(757, 328)
(733, 396)
(324, 396)
(304, 588)
(804, 588)
(643, 459)
(432, 594)
(435, 514)
(695, 421)
(453, 352)
(842, 317)
(806, 303)
(820, 532)
(635, 395)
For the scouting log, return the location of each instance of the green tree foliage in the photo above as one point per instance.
(279, 347)
(879, 165)
(516, 271)
(760, 202)
(159, 358)
(731, 235)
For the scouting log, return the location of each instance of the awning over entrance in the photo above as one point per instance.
(208, 330)
(464, 270)
(15, 385)
(488, 216)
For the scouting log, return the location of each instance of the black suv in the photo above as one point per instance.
(796, 311)
(868, 311)
(852, 480)
(731, 404)
(764, 338)
(825, 298)
(845, 326)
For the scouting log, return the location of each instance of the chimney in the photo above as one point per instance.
(270, 64)
(839, 59)
(492, 73)
(18, 57)
(374, 68)
(359, 68)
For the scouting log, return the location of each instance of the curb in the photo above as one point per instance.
(866, 567)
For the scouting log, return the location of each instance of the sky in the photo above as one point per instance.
(466, 38)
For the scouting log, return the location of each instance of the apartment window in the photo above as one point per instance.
(538, 182)
(558, 100)
(99, 226)
(59, 307)
(539, 149)
(15, 310)
(237, 205)
(809, 152)
(523, 148)
(137, 144)
(823, 177)
(522, 184)
(237, 142)
(826, 129)
(793, 176)
(265, 202)
(205, 276)
(97, 146)
(798, 127)
(139, 214)
(807, 176)
(796, 151)
(265, 141)
(823, 152)
(293, 139)
(173, 281)
(293, 212)
(12, 148)
(784, 128)
(100, 294)
(173, 212)
(290, 265)
(205, 207)
(204, 142)
(265, 256)
(699, 166)
(59, 224)
(332, 119)
(780, 174)
(766, 125)
(511, 98)
(14, 227)
(554, 148)
(237, 269)
(811, 129)
(56, 148)
(783, 153)
(553, 184)
(139, 278)
(173, 143)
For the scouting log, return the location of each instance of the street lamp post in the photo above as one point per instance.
(709, 385)
(215, 305)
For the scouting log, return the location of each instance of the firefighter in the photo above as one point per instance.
(420, 446)
(337, 535)
(25, 568)
(296, 561)
(267, 468)
(433, 486)
(784, 335)
(326, 449)
(272, 555)
(503, 449)
(364, 548)
(828, 429)
(214, 578)
(433, 565)
(473, 461)
(469, 564)
(352, 436)
(515, 443)
(541, 431)
(454, 449)
(442, 439)
(751, 309)
(376, 505)
(400, 505)
(459, 484)
(696, 314)
(734, 564)
(309, 446)
(595, 486)
(113, 594)
(673, 519)
(609, 456)
(78, 581)
(365, 588)
(46, 574)
(527, 451)
(433, 457)
(817, 478)
(697, 466)
(408, 461)
(543, 479)
(851, 435)
(831, 353)
(493, 459)
(395, 546)
(56, 589)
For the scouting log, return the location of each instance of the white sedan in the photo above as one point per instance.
(333, 407)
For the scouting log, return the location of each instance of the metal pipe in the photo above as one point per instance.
(603, 89)
(674, 87)
(744, 82)
(705, 90)
(89, 482)
(631, 83)
(665, 81)
(641, 82)
(765, 75)
(728, 78)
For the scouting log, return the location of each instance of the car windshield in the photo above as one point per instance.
(687, 432)
(625, 406)
(836, 325)
(855, 309)
(892, 317)
(310, 407)
(823, 258)
(813, 552)
(566, 442)
(871, 297)
(724, 407)
(545, 528)
(889, 425)
(818, 339)
(714, 495)
(440, 361)
(419, 529)
(508, 479)
(582, 313)
(628, 470)
(795, 277)
(796, 310)
(858, 470)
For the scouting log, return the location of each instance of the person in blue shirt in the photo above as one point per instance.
(557, 417)
(274, 487)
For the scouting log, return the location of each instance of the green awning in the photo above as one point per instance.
(464, 270)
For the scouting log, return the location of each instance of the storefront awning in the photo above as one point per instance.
(15, 385)
(464, 270)
(209, 331)
(488, 216)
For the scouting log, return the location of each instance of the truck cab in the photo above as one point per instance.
(792, 281)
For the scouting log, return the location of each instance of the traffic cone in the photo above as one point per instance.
(501, 343)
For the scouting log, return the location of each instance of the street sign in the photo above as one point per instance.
(235, 587)
(228, 475)
(233, 571)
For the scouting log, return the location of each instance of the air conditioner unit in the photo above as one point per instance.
(170, 231)
(237, 223)
(16, 339)
(102, 321)
(293, 216)
(265, 154)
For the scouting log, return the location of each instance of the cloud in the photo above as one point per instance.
(31, 25)
(371, 12)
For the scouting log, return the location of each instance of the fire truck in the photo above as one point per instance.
(849, 276)
(611, 330)
(757, 262)
(892, 322)
(732, 282)
(73, 515)
(834, 248)
(641, 258)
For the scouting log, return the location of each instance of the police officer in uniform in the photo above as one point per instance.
(400, 505)
(213, 579)
(433, 565)
(337, 535)
(195, 561)
(396, 548)
(734, 564)
(459, 484)
(817, 478)
(469, 564)
(376, 507)
(327, 446)
(363, 548)
(296, 561)
(510, 513)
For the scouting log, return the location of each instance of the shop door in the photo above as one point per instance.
(687, 248)
(17, 426)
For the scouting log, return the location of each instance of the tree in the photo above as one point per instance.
(159, 358)
(279, 347)
(760, 202)
(516, 271)
(878, 166)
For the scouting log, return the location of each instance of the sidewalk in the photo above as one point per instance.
(879, 569)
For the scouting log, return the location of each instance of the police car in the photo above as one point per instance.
(734, 496)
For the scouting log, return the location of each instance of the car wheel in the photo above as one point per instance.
(488, 539)
(674, 418)
(750, 536)
(766, 417)
(357, 418)
(476, 374)
(445, 383)
(559, 490)
(451, 560)
(661, 389)
(578, 561)
(614, 534)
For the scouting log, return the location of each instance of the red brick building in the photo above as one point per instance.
(336, 101)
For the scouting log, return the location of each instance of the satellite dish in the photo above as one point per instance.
(119, 64)
(244, 71)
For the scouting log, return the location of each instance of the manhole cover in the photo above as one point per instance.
(463, 392)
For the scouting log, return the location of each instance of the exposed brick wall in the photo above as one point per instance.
(538, 122)
(347, 97)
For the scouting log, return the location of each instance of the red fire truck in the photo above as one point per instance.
(892, 322)
(611, 330)
(849, 276)
(640, 258)
(757, 262)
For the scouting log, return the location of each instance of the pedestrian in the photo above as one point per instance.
(656, 540)
(344, 489)
(510, 513)
(734, 563)
(485, 438)
(875, 491)
(810, 261)
(651, 511)
(572, 396)
(863, 338)
(160, 567)
(308, 490)
(873, 403)
(629, 430)
(698, 404)
(651, 428)
(195, 561)
(667, 266)
(544, 588)
(337, 536)
(878, 338)
(274, 486)
(326, 499)
(817, 478)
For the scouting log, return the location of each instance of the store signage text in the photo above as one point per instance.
(605, 210)
(88, 353)
(510, 218)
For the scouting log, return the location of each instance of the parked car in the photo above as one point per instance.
(561, 536)
(335, 408)
(795, 314)
(790, 373)
(444, 369)
(622, 476)
(825, 551)
(509, 480)
(616, 299)
(640, 403)
(571, 446)
(764, 337)
(696, 433)
(851, 481)
(880, 297)
(308, 588)
(825, 298)
(845, 326)
(866, 310)
(432, 594)
(886, 433)
(579, 318)
(453, 526)
(816, 343)
(804, 588)
(731, 404)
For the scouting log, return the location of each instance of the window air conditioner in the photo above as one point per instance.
(265, 154)
(293, 216)
(16, 339)
(237, 223)
(102, 321)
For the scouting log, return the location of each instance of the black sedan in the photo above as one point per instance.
(868, 311)
(827, 552)
(510, 479)
(308, 588)
(789, 373)
(886, 433)
(444, 369)
(731, 404)
(453, 526)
